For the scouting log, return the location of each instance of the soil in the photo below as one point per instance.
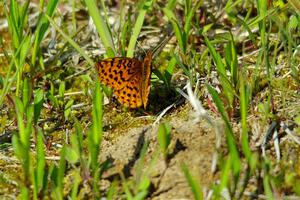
(192, 144)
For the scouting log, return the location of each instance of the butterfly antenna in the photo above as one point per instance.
(156, 50)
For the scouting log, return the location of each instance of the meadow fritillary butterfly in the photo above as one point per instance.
(128, 77)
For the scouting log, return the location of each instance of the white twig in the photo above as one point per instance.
(290, 133)
(276, 145)
(200, 112)
(162, 114)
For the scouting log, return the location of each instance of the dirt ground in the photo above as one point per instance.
(192, 144)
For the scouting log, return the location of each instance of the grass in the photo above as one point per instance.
(241, 59)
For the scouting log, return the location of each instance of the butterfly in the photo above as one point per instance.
(128, 77)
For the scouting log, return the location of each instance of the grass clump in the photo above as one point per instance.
(63, 139)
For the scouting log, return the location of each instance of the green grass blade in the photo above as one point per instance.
(42, 27)
(112, 190)
(176, 27)
(126, 189)
(20, 112)
(40, 165)
(195, 187)
(9, 79)
(97, 114)
(189, 16)
(266, 180)
(232, 60)
(95, 132)
(77, 180)
(226, 85)
(171, 4)
(216, 57)
(262, 13)
(20, 62)
(26, 92)
(38, 103)
(71, 42)
(24, 194)
(61, 173)
(101, 27)
(244, 100)
(232, 145)
(225, 175)
(145, 7)
(164, 138)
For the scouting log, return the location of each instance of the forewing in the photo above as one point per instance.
(115, 72)
(130, 94)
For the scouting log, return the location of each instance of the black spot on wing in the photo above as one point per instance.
(129, 64)
(119, 63)
(112, 62)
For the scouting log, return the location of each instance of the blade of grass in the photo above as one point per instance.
(228, 130)
(225, 176)
(164, 138)
(266, 180)
(244, 100)
(71, 42)
(101, 27)
(188, 18)
(176, 27)
(196, 189)
(40, 166)
(38, 103)
(76, 182)
(145, 7)
(42, 27)
(95, 137)
(226, 85)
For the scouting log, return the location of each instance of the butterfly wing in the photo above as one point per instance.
(145, 82)
(124, 76)
(115, 72)
(136, 90)
(130, 94)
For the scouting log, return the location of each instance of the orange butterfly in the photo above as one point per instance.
(128, 77)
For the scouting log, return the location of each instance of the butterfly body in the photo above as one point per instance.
(128, 77)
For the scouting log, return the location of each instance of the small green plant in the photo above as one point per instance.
(182, 32)
(101, 27)
(95, 137)
(195, 187)
(166, 75)
(145, 6)
(138, 188)
(164, 139)
(233, 162)
(228, 84)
